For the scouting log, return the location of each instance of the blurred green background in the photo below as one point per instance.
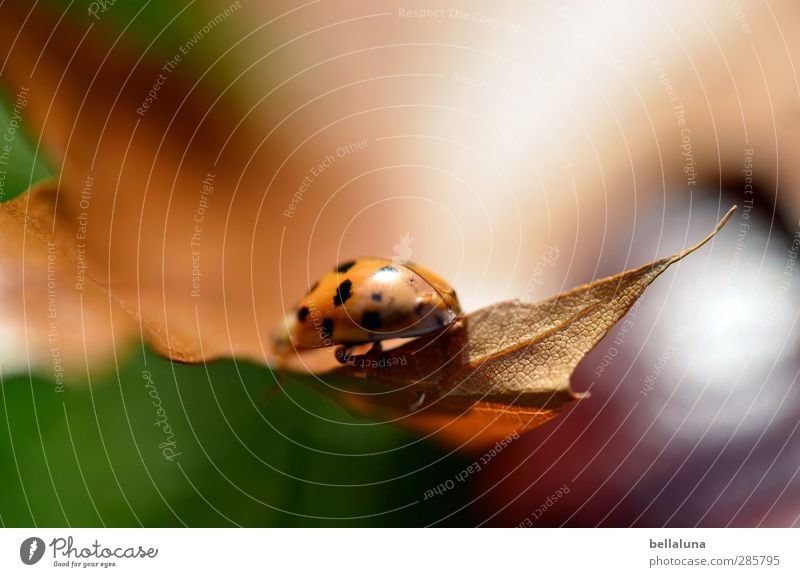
(92, 454)
(89, 455)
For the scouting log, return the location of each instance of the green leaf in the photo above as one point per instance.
(247, 454)
(21, 164)
(158, 30)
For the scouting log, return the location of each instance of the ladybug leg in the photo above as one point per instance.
(374, 355)
(351, 355)
(344, 354)
(417, 405)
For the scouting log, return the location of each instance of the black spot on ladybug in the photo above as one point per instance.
(371, 320)
(387, 268)
(342, 293)
(327, 328)
(302, 314)
(377, 297)
(345, 266)
(419, 309)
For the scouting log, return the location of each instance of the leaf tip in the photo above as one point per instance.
(711, 235)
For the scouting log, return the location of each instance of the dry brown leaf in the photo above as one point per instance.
(505, 370)
(64, 326)
(131, 187)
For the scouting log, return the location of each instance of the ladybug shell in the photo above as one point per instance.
(372, 300)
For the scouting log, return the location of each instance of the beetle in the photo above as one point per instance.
(370, 300)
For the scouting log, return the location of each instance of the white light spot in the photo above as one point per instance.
(386, 275)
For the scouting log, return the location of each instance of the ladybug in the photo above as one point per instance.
(370, 300)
